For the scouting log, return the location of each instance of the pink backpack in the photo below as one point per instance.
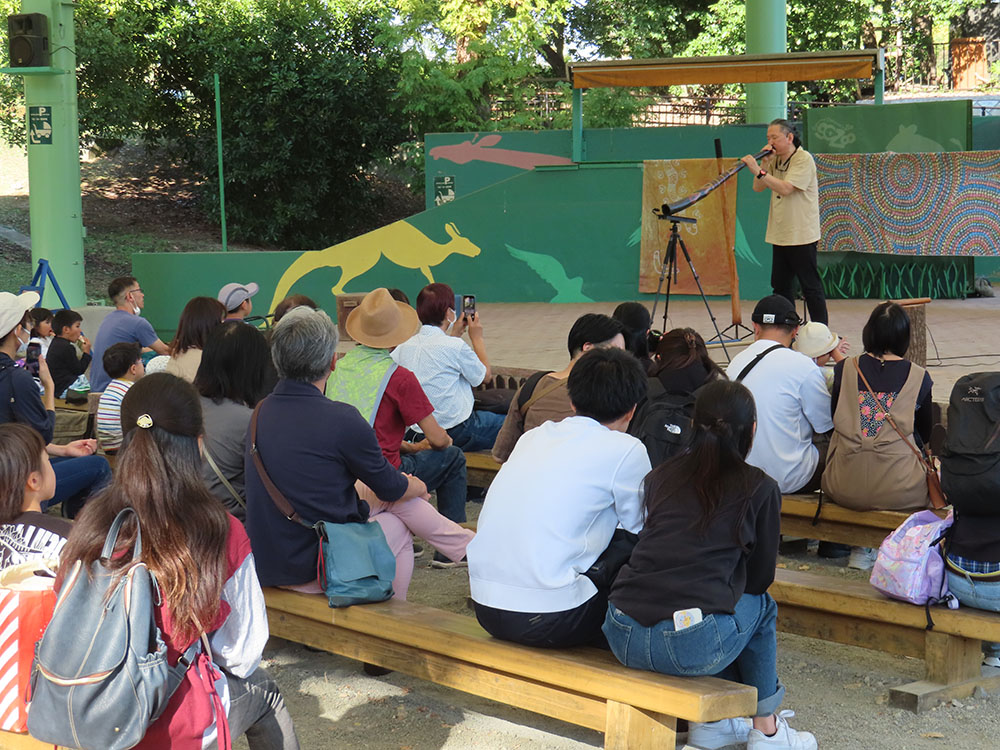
(910, 566)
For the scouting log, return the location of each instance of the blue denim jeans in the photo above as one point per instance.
(741, 647)
(979, 595)
(478, 432)
(76, 480)
(444, 473)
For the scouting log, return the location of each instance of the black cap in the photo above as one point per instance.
(775, 310)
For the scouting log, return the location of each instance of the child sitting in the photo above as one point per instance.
(26, 481)
(41, 328)
(123, 363)
(62, 359)
(823, 347)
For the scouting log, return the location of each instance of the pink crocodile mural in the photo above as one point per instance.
(482, 150)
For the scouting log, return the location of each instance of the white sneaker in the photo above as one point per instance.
(719, 734)
(785, 738)
(991, 661)
(862, 558)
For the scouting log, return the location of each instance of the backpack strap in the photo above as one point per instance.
(527, 389)
(538, 394)
(753, 363)
(279, 500)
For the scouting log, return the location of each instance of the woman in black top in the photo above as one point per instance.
(636, 321)
(693, 599)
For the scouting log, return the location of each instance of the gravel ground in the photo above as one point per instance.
(838, 692)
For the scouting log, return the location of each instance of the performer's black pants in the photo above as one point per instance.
(791, 261)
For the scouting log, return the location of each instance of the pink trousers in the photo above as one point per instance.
(418, 516)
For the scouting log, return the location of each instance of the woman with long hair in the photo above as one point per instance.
(201, 315)
(201, 559)
(692, 599)
(231, 379)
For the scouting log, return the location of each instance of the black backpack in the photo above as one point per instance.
(970, 458)
(663, 422)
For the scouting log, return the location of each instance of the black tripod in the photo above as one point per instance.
(668, 270)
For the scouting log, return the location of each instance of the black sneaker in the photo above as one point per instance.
(833, 550)
(440, 561)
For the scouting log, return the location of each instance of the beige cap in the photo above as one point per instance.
(13, 308)
(815, 340)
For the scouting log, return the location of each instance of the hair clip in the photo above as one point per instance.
(144, 421)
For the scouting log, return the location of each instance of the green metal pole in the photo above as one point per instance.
(55, 205)
(767, 33)
(578, 125)
(880, 77)
(218, 141)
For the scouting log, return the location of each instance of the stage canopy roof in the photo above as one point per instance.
(674, 71)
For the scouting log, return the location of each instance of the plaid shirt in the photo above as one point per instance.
(973, 567)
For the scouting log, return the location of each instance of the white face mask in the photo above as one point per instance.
(25, 340)
(136, 310)
(451, 324)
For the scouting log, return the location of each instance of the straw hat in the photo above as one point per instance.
(381, 322)
(815, 340)
(13, 308)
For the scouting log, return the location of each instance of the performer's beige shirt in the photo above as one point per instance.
(794, 219)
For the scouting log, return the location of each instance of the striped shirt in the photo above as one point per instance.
(109, 414)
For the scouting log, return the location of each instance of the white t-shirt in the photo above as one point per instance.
(551, 512)
(447, 369)
(792, 403)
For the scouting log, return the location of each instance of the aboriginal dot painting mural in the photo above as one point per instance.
(910, 204)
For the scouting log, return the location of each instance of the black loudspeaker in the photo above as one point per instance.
(28, 40)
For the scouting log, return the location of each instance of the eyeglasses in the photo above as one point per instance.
(137, 289)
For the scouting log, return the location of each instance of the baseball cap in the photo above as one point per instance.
(234, 294)
(775, 310)
(13, 308)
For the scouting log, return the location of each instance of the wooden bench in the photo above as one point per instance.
(14, 741)
(587, 687)
(852, 612)
(859, 528)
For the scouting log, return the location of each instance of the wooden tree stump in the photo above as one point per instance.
(917, 311)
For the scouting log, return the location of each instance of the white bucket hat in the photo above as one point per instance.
(815, 340)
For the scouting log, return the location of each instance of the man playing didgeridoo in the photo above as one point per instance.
(793, 218)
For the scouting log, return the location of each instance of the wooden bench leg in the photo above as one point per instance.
(631, 728)
(954, 670)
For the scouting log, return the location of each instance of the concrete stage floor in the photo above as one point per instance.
(963, 335)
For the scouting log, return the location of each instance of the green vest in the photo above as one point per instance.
(361, 378)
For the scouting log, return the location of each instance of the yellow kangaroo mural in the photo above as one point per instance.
(400, 243)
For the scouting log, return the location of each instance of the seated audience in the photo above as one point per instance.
(123, 362)
(41, 328)
(65, 363)
(448, 368)
(236, 298)
(822, 346)
(399, 295)
(26, 481)
(553, 508)
(793, 403)
(692, 599)
(204, 569)
(637, 323)
(123, 324)
(232, 379)
(315, 450)
(78, 471)
(290, 303)
(390, 398)
(543, 397)
(681, 367)
(199, 318)
(871, 465)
